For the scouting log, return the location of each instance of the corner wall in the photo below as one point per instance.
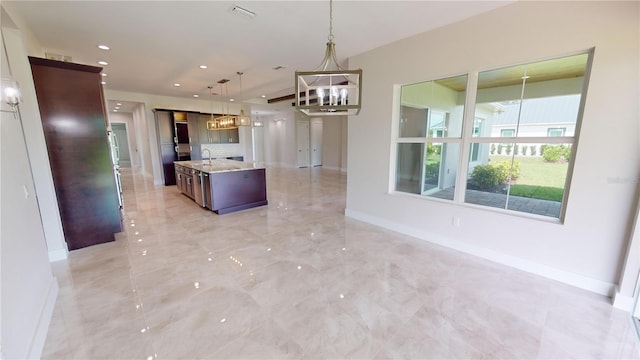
(28, 289)
(588, 249)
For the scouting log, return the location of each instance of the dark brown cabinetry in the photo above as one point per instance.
(73, 115)
(193, 121)
(177, 139)
(184, 180)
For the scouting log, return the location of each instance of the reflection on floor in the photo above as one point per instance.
(297, 279)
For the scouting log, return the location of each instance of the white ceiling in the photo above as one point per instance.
(155, 44)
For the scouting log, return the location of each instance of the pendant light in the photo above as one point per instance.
(243, 120)
(212, 124)
(225, 121)
(329, 89)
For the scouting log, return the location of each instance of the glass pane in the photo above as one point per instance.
(523, 177)
(433, 109)
(532, 100)
(413, 122)
(440, 170)
(427, 169)
(408, 169)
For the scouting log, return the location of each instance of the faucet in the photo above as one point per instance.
(209, 151)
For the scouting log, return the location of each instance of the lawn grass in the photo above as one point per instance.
(536, 171)
(537, 192)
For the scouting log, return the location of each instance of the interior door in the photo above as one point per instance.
(302, 140)
(316, 142)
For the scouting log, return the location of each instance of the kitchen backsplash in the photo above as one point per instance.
(223, 150)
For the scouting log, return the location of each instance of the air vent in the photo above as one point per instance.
(52, 56)
(278, 67)
(240, 11)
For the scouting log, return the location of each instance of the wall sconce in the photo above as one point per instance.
(11, 93)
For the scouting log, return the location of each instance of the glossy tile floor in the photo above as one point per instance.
(296, 279)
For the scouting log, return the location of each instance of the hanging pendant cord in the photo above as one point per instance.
(331, 20)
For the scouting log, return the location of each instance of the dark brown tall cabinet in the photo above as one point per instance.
(73, 116)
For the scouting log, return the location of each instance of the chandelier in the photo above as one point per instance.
(329, 89)
(227, 120)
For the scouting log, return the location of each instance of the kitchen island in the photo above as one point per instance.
(223, 185)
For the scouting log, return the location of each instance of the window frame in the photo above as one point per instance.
(466, 140)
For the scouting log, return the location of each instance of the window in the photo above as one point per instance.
(429, 137)
(507, 133)
(555, 132)
(532, 108)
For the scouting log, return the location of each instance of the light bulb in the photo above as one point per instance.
(343, 96)
(11, 93)
(333, 99)
(320, 92)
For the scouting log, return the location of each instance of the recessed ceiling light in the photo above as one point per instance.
(115, 110)
(118, 104)
(203, 66)
(104, 74)
(103, 47)
(263, 96)
(103, 62)
(104, 83)
(196, 95)
(176, 84)
(232, 99)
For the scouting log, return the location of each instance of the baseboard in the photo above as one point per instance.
(582, 282)
(40, 335)
(622, 302)
(57, 255)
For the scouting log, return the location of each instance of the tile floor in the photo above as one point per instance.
(296, 279)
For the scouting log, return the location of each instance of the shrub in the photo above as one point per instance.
(430, 149)
(516, 150)
(552, 153)
(493, 149)
(485, 177)
(431, 171)
(500, 149)
(437, 149)
(542, 149)
(509, 146)
(566, 152)
(532, 150)
(505, 170)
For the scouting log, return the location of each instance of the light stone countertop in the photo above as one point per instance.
(219, 165)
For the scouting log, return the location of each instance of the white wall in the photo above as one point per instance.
(39, 157)
(28, 288)
(332, 127)
(588, 249)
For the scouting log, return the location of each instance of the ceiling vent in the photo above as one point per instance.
(52, 56)
(240, 11)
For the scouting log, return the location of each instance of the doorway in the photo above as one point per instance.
(303, 142)
(120, 131)
(316, 142)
